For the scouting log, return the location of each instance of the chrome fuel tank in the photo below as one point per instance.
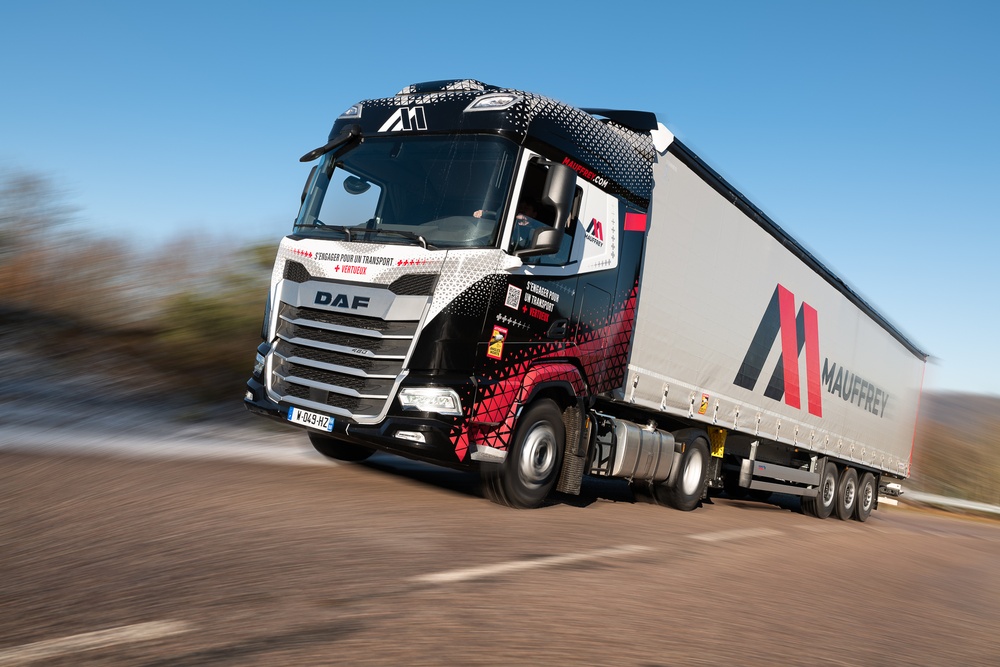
(624, 449)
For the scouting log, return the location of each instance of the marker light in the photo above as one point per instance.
(431, 399)
(494, 102)
(353, 112)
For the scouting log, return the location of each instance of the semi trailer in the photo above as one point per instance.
(489, 279)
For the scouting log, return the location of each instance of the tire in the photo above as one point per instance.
(534, 459)
(340, 450)
(822, 505)
(847, 493)
(684, 491)
(867, 491)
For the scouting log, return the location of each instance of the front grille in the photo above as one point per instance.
(338, 363)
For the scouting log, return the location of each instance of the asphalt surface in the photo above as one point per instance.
(208, 547)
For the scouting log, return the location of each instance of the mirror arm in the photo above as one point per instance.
(348, 134)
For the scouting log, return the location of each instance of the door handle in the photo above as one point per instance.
(558, 329)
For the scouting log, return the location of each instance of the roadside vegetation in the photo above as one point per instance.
(184, 319)
(184, 316)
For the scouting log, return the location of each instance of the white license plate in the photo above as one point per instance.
(310, 419)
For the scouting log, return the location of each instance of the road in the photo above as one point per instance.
(113, 556)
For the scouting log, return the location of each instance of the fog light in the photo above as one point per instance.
(431, 399)
(248, 396)
(412, 436)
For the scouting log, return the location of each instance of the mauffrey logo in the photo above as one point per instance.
(595, 231)
(797, 330)
(405, 119)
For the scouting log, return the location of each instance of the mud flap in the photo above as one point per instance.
(575, 454)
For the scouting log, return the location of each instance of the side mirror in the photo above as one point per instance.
(560, 191)
(546, 241)
(355, 185)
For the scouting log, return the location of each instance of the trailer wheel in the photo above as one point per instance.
(338, 449)
(866, 497)
(687, 488)
(847, 493)
(529, 472)
(822, 505)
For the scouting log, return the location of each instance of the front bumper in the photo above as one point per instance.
(439, 434)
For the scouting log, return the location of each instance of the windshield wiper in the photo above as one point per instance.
(349, 231)
(336, 228)
(406, 235)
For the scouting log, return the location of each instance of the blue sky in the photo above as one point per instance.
(868, 130)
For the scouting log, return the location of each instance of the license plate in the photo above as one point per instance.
(310, 419)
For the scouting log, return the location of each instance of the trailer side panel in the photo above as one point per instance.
(734, 328)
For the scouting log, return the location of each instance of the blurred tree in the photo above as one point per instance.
(209, 331)
(31, 208)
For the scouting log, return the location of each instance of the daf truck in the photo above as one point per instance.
(490, 279)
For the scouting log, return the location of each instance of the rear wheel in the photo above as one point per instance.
(338, 449)
(866, 497)
(529, 472)
(847, 493)
(822, 505)
(688, 486)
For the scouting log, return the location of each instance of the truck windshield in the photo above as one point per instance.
(438, 191)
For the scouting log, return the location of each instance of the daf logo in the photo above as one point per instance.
(405, 119)
(341, 300)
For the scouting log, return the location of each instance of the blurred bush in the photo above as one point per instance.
(957, 447)
(188, 312)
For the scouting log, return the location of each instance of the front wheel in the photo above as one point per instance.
(529, 472)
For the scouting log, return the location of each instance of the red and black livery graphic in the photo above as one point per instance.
(594, 364)
(797, 330)
(555, 335)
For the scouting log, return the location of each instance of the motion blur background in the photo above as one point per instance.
(148, 169)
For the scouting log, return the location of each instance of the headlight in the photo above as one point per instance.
(431, 399)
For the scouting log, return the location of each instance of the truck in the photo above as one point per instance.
(492, 280)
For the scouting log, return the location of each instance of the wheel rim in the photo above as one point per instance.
(828, 488)
(538, 455)
(849, 495)
(867, 495)
(692, 473)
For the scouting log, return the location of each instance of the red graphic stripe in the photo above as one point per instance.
(635, 222)
(813, 383)
(789, 346)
